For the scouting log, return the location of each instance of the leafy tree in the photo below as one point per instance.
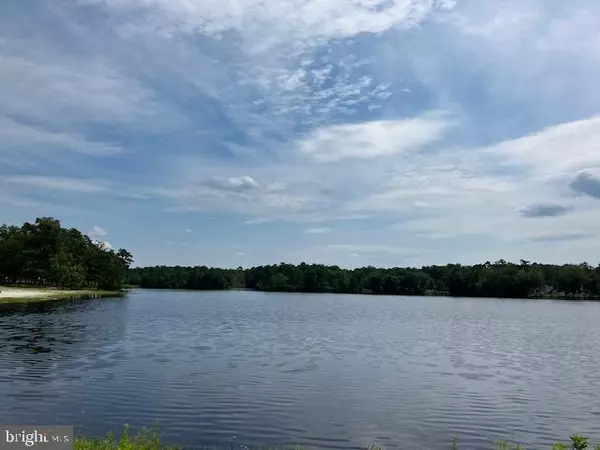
(500, 279)
(45, 254)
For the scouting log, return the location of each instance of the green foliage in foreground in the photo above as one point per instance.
(499, 279)
(149, 439)
(143, 440)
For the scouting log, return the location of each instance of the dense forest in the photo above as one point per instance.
(499, 279)
(45, 254)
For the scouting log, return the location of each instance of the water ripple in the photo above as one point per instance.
(328, 371)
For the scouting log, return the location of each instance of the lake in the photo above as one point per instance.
(324, 371)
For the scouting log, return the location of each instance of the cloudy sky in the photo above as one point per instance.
(349, 132)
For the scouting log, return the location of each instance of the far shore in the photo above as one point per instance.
(27, 295)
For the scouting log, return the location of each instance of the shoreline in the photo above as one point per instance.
(370, 294)
(13, 295)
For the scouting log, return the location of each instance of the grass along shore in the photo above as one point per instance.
(10, 295)
(149, 439)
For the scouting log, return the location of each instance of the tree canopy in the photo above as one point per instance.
(499, 279)
(45, 254)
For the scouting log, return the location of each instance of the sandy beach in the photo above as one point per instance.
(18, 295)
(26, 292)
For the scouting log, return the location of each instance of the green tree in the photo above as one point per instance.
(44, 253)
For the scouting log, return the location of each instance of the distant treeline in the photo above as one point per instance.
(499, 279)
(45, 254)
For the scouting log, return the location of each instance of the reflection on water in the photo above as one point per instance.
(325, 371)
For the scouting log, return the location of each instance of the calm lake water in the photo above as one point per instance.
(324, 371)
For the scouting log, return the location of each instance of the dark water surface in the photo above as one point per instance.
(329, 371)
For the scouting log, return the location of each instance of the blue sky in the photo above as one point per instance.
(349, 132)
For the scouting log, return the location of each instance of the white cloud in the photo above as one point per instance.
(97, 235)
(256, 97)
(318, 230)
(468, 198)
(266, 70)
(555, 151)
(177, 243)
(54, 183)
(9, 198)
(369, 249)
(358, 254)
(43, 83)
(252, 202)
(466, 182)
(65, 97)
(195, 190)
(97, 232)
(236, 184)
(457, 188)
(373, 139)
(449, 186)
(272, 21)
(558, 66)
(240, 254)
(18, 138)
(276, 186)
